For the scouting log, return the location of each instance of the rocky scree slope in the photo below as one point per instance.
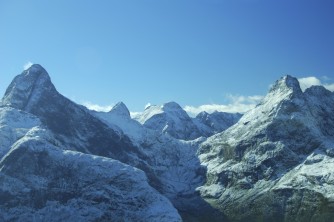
(276, 163)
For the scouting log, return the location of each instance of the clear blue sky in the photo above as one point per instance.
(193, 52)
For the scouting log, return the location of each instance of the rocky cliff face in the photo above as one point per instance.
(267, 166)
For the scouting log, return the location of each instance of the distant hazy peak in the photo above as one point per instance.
(202, 114)
(318, 90)
(171, 106)
(120, 109)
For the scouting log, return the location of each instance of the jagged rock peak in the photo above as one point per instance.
(121, 109)
(28, 85)
(284, 89)
(286, 83)
(171, 106)
(36, 72)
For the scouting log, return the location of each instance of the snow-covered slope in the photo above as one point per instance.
(14, 124)
(119, 117)
(170, 119)
(40, 182)
(276, 162)
(216, 122)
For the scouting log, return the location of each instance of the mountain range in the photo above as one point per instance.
(60, 161)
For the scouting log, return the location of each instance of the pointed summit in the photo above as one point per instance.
(27, 88)
(35, 68)
(286, 83)
(284, 91)
(120, 109)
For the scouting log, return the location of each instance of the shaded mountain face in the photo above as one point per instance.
(120, 109)
(72, 124)
(269, 162)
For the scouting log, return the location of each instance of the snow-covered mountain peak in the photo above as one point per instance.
(27, 87)
(283, 106)
(287, 84)
(167, 109)
(284, 97)
(120, 109)
(171, 119)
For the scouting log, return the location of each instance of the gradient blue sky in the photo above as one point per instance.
(194, 52)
